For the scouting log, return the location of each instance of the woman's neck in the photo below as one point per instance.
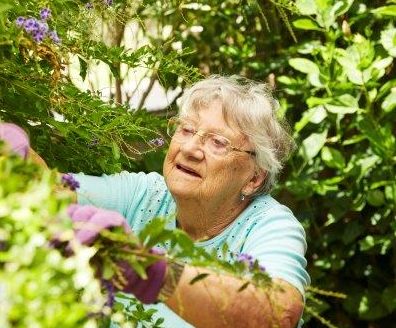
(202, 221)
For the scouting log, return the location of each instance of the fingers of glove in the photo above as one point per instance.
(107, 219)
(101, 219)
(82, 213)
(87, 234)
(15, 137)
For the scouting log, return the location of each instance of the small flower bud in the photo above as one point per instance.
(346, 29)
(20, 21)
(45, 13)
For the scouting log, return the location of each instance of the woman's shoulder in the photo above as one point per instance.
(265, 206)
(268, 213)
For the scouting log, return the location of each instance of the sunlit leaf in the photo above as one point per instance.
(333, 157)
(385, 10)
(389, 103)
(306, 7)
(306, 24)
(388, 40)
(314, 115)
(312, 145)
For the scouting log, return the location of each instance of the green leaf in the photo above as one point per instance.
(306, 24)
(388, 40)
(341, 7)
(306, 7)
(389, 298)
(381, 138)
(108, 271)
(341, 109)
(308, 67)
(385, 10)
(367, 163)
(304, 65)
(389, 102)
(348, 100)
(116, 150)
(244, 286)
(314, 115)
(83, 67)
(151, 231)
(381, 64)
(375, 198)
(139, 269)
(390, 193)
(312, 145)
(367, 243)
(198, 278)
(355, 229)
(333, 158)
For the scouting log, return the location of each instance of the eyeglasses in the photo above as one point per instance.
(183, 131)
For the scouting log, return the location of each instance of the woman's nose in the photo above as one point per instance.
(193, 147)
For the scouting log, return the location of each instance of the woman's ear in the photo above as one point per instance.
(255, 182)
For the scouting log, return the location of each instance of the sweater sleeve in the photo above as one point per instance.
(121, 192)
(277, 241)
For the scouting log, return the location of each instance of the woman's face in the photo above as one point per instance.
(192, 173)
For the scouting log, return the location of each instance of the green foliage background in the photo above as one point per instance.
(332, 65)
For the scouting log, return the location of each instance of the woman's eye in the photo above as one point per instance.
(219, 142)
(187, 129)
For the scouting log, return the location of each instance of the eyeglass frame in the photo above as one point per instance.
(203, 137)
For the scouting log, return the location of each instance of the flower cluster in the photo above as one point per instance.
(249, 261)
(157, 142)
(38, 28)
(68, 180)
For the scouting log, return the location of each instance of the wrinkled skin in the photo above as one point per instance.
(214, 191)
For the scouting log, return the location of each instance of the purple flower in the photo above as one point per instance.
(246, 259)
(110, 292)
(43, 27)
(38, 36)
(89, 5)
(45, 13)
(108, 2)
(69, 180)
(157, 142)
(249, 261)
(30, 25)
(20, 21)
(54, 37)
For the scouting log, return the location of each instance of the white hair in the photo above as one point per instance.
(252, 107)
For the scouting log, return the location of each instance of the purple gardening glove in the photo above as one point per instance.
(15, 138)
(146, 291)
(89, 221)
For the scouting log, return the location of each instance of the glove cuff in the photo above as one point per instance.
(146, 290)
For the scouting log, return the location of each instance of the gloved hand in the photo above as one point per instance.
(15, 138)
(89, 221)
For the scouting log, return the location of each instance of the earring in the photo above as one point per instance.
(242, 197)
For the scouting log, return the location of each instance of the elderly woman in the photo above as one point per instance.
(226, 151)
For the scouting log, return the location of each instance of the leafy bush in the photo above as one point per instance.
(341, 93)
(335, 75)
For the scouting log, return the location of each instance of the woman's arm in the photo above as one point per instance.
(215, 302)
(36, 158)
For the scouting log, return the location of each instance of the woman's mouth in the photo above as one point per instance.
(187, 170)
